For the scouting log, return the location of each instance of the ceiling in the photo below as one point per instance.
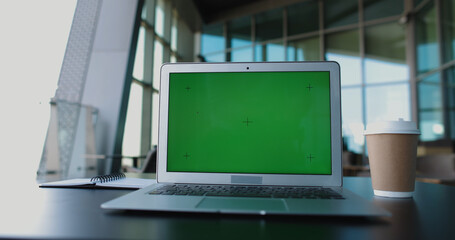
(211, 10)
(214, 11)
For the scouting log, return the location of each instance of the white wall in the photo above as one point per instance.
(32, 46)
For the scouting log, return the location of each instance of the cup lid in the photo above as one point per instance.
(398, 127)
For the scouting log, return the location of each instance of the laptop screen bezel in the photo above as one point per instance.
(334, 179)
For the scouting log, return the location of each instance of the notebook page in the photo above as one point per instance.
(128, 183)
(68, 183)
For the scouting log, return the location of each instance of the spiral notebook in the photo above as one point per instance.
(118, 180)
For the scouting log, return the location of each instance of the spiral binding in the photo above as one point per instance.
(108, 178)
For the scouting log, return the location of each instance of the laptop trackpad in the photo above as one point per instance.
(246, 204)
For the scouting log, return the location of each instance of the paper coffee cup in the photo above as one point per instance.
(392, 149)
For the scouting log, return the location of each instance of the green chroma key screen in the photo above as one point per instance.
(256, 122)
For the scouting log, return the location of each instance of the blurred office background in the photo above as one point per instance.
(397, 60)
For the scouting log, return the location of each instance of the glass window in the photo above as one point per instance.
(374, 9)
(269, 52)
(427, 52)
(339, 13)
(430, 108)
(174, 31)
(275, 52)
(387, 102)
(259, 52)
(385, 53)
(212, 39)
(344, 48)
(242, 55)
(450, 76)
(239, 32)
(450, 88)
(448, 29)
(269, 25)
(144, 10)
(303, 17)
(351, 100)
(157, 62)
(429, 90)
(138, 70)
(304, 50)
(159, 18)
(185, 42)
(155, 114)
(218, 57)
(148, 11)
(431, 125)
(132, 135)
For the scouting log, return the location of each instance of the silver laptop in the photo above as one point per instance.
(249, 138)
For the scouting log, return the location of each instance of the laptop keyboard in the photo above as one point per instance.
(247, 191)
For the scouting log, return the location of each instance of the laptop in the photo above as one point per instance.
(249, 138)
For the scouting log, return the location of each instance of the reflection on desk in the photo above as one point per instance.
(75, 213)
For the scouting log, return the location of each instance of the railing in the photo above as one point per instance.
(70, 136)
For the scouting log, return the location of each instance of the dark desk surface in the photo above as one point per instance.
(75, 213)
